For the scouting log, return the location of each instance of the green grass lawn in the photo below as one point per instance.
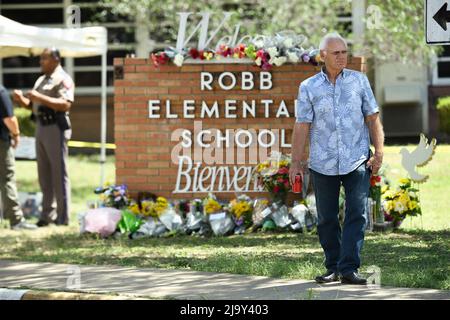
(410, 257)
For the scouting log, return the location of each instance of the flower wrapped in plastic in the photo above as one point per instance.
(280, 215)
(130, 222)
(102, 221)
(211, 205)
(219, 219)
(299, 213)
(241, 209)
(155, 208)
(261, 210)
(182, 207)
(150, 228)
(171, 219)
(273, 176)
(221, 223)
(195, 218)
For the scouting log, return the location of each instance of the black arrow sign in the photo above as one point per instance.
(442, 17)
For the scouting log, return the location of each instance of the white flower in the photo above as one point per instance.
(293, 57)
(273, 52)
(258, 61)
(412, 194)
(259, 43)
(178, 60)
(399, 207)
(278, 61)
(385, 206)
(288, 43)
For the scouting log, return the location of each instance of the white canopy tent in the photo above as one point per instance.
(17, 39)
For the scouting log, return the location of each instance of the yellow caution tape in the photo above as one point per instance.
(83, 144)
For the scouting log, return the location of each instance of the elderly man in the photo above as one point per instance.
(51, 100)
(337, 111)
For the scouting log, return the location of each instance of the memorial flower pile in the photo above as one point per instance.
(264, 51)
(401, 202)
(156, 216)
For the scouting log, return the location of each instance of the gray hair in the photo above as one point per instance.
(330, 37)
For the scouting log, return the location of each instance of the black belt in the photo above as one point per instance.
(47, 116)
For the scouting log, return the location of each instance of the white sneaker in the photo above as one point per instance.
(23, 225)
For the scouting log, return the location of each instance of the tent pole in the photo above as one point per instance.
(103, 122)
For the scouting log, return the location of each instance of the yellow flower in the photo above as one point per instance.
(384, 189)
(212, 206)
(262, 166)
(412, 205)
(389, 194)
(404, 181)
(135, 209)
(208, 55)
(239, 208)
(283, 163)
(404, 199)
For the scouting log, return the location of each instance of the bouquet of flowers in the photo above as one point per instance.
(280, 215)
(273, 175)
(220, 221)
(195, 219)
(154, 208)
(261, 211)
(113, 196)
(402, 202)
(211, 205)
(241, 209)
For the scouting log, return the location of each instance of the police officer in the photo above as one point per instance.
(9, 139)
(50, 100)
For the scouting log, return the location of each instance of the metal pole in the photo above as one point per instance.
(103, 122)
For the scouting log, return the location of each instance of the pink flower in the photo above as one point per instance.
(276, 189)
(283, 170)
(159, 59)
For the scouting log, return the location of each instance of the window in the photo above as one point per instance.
(441, 68)
(22, 72)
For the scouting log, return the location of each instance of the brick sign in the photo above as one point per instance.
(181, 132)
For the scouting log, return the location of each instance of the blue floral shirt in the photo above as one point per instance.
(339, 137)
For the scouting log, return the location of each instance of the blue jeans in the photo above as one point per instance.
(342, 248)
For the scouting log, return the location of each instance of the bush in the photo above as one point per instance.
(443, 107)
(27, 127)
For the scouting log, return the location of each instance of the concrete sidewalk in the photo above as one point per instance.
(180, 284)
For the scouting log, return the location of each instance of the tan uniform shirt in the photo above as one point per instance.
(58, 85)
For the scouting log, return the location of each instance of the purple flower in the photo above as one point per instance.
(239, 221)
(305, 57)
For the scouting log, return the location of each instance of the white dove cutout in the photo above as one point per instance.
(419, 157)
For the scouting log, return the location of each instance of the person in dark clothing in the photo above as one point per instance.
(9, 140)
